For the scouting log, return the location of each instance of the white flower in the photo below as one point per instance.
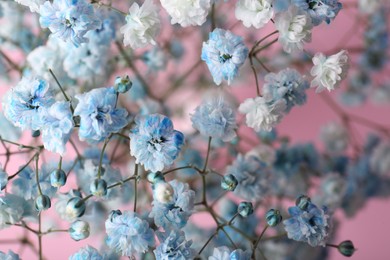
(256, 13)
(261, 114)
(142, 25)
(335, 137)
(294, 28)
(32, 4)
(328, 72)
(187, 12)
(369, 6)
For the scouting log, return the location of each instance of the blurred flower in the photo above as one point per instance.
(294, 28)
(174, 246)
(156, 59)
(142, 25)
(187, 12)
(319, 10)
(175, 213)
(224, 53)
(215, 118)
(128, 234)
(87, 253)
(256, 13)
(69, 20)
(154, 143)
(224, 253)
(32, 4)
(98, 115)
(328, 72)
(9, 256)
(310, 225)
(335, 137)
(380, 160)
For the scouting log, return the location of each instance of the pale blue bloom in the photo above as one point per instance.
(156, 59)
(215, 118)
(12, 209)
(174, 246)
(21, 103)
(311, 225)
(224, 53)
(128, 234)
(25, 185)
(69, 20)
(175, 213)
(154, 143)
(87, 253)
(320, 10)
(137, 90)
(9, 256)
(98, 115)
(289, 85)
(9, 131)
(252, 175)
(57, 122)
(225, 253)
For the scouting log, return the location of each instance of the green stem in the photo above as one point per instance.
(62, 90)
(102, 155)
(21, 169)
(207, 155)
(135, 186)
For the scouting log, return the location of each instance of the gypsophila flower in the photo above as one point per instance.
(32, 4)
(142, 25)
(262, 114)
(335, 137)
(87, 253)
(129, 234)
(187, 12)
(225, 253)
(11, 210)
(369, 6)
(9, 131)
(224, 53)
(98, 115)
(21, 103)
(174, 214)
(289, 85)
(310, 225)
(57, 126)
(174, 246)
(328, 72)
(256, 13)
(69, 20)
(156, 59)
(215, 118)
(252, 175)
(294, 28)
(9, 256)
(319, 10)
(154, 143)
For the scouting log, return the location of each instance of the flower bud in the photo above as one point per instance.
(58, 178)
(273, 217)
(75, 207)
(346, 248)
(155, 177)
(98, 187)
(79, 230)
(163, 192)
(114, 214)
(245, 209)
(303, 202)
(36, 133)
(42, 202)
(229, 182)
(122, 84)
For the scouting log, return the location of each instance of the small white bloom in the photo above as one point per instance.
(262, 115)
(32, 4)
(335, 137)
(256, 13)
(294, 28)
(369, 6)
(328, 72)
(187, 12)
(142, 25)
(163, 192)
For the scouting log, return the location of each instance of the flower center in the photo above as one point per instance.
(224, 57)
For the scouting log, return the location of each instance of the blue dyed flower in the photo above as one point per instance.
(8, 130)
(87, 253)
(21, 103)
(224, 53)
(154, 143)
(174, 214)
(69, 20)
(310, 225)
(57, 126)
(137, 90)
(174, 246)
(9, 256)
(12, 209)
(3, 178)
(99, 116)
(215, 118)
(128, 234)
(252, 175)
(289, 85)
(156, 59)
(225, 253)
(320, 10)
